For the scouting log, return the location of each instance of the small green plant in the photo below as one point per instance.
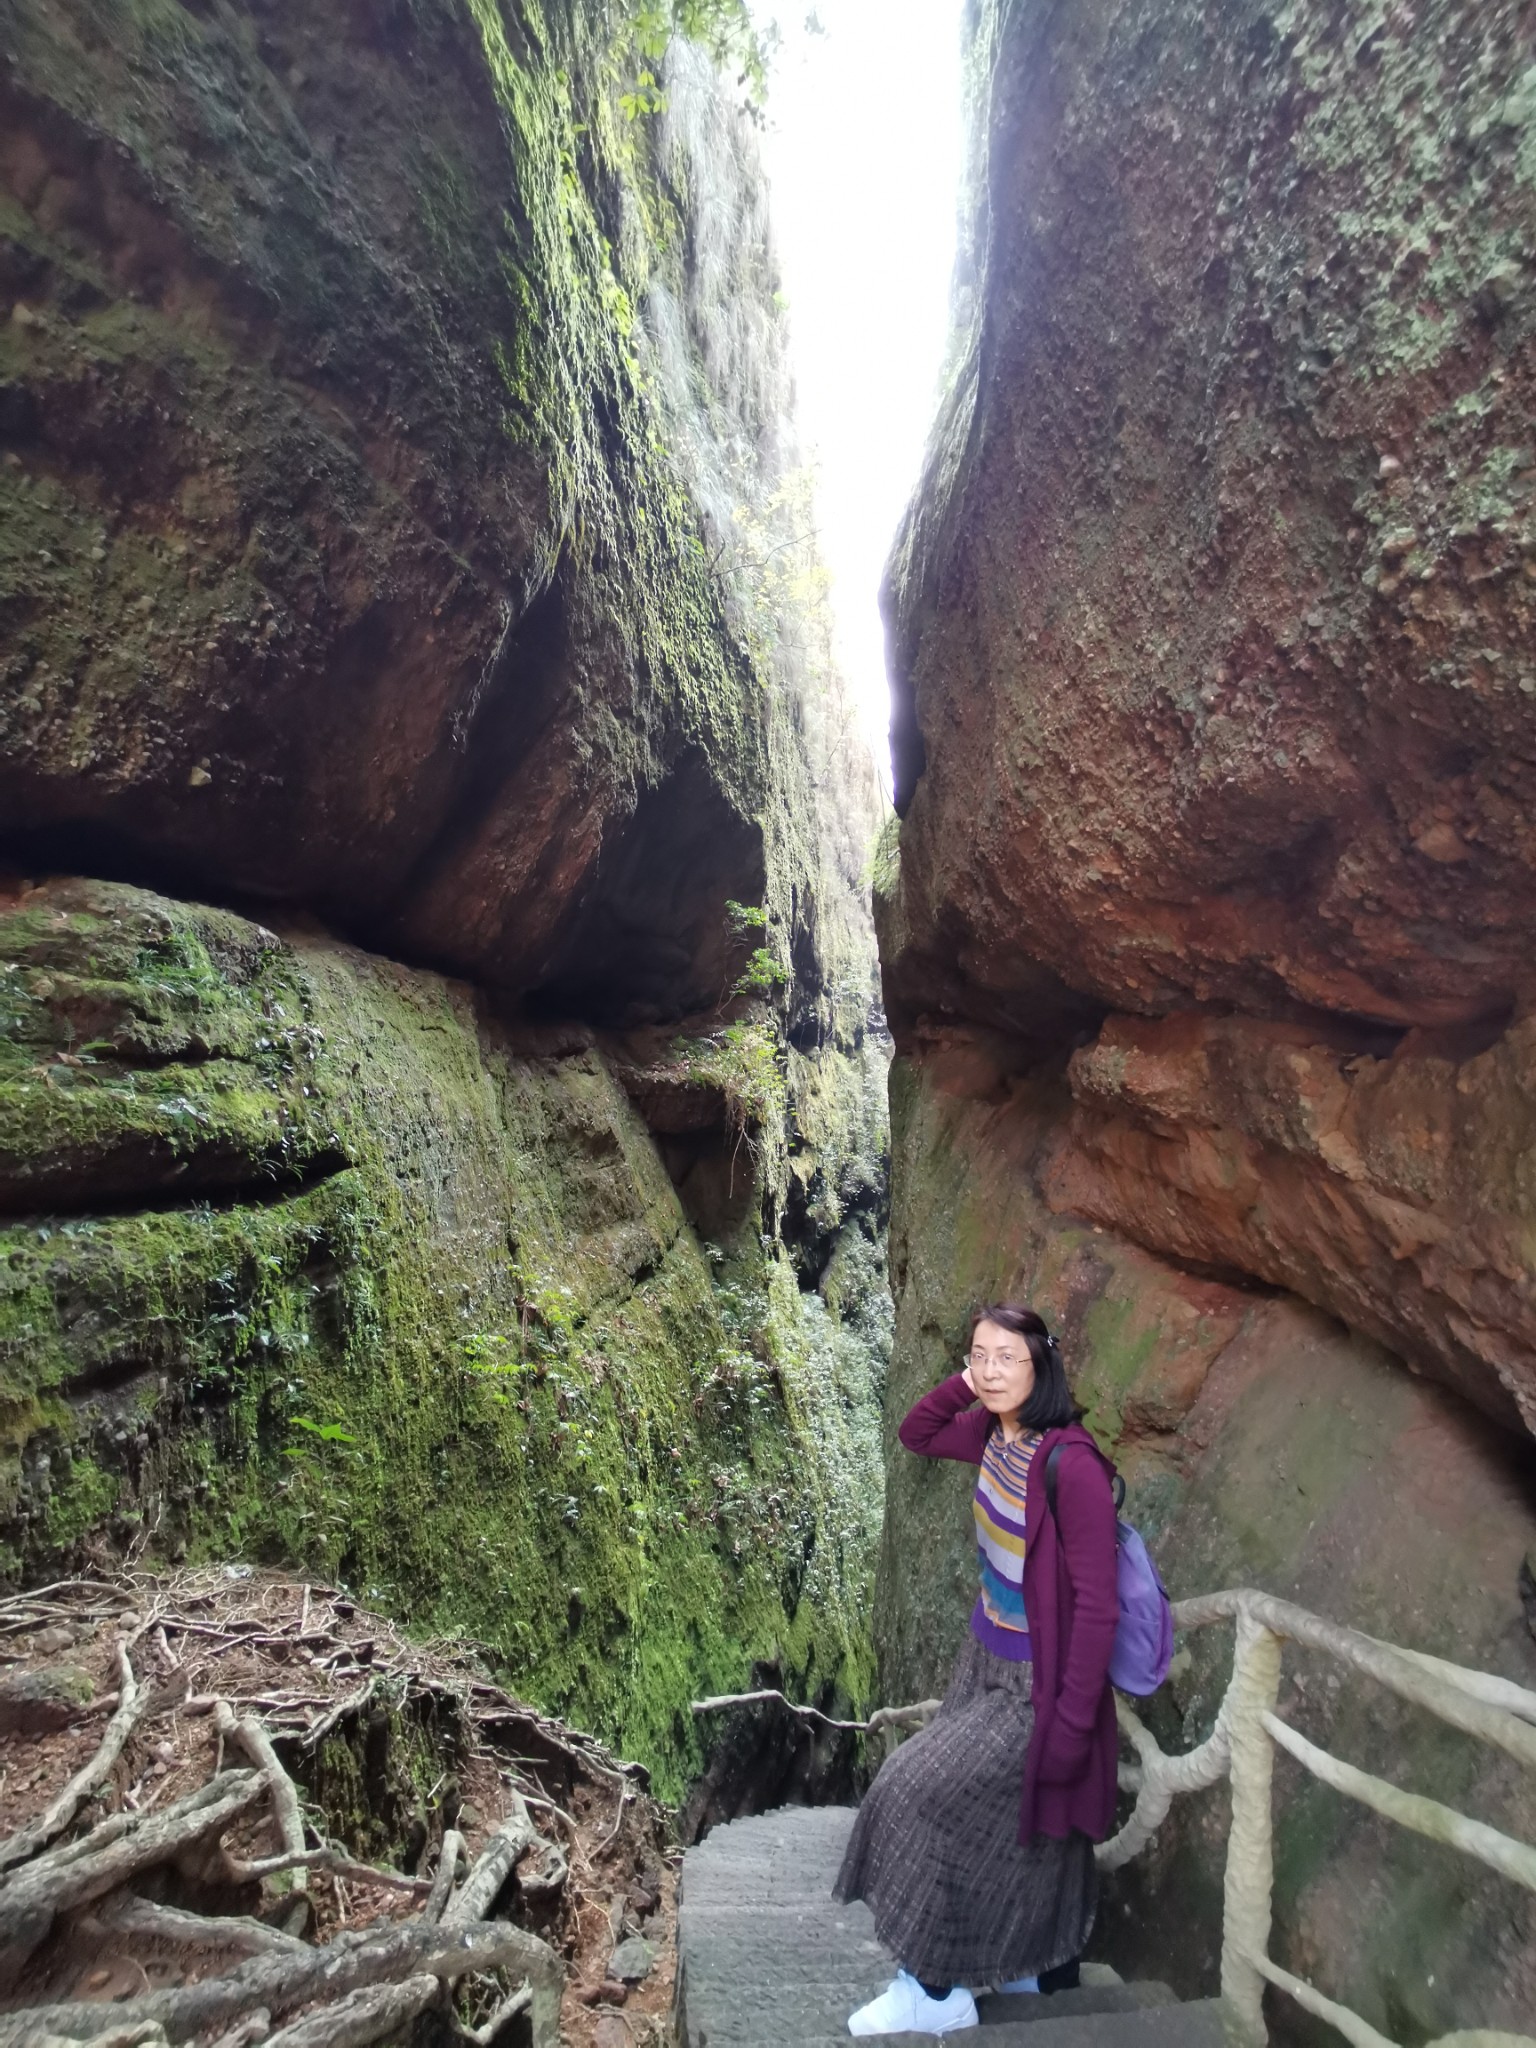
(884, 872)
(327, 1432)
(745, 917)
(723, 28)
(762, 975)
(647, 98)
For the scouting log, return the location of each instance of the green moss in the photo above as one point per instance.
(315, 1262)
(481, 1371)
(886, 863)
(80, 1501)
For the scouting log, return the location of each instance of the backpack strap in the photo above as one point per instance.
(1116, 1485)
(1050, 1477)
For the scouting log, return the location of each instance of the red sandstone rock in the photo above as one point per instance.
(1211, 953)
(1214, 623)
(1396, 1192)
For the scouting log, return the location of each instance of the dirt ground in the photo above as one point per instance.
(389, 1742)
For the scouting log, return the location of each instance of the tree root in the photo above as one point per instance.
(280, 1983)
(494, 1866)
(87, 1870)
(142, 2036)
(487, 2035)
(256, 2026)
(359, 2018)
(365, 1985)
(541, 1883)
(134, 1915)
(447, 1871)
(234, 1870)
(257, 1744)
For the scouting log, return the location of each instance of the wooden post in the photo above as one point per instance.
(1250, 1873)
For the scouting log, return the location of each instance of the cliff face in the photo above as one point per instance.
(485, 1205)
(1231, 519)
(1206, 944)
(348, 563)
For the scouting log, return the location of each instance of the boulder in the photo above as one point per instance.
(313, 1256)
(1265, 1444)
(1395, 1190)
(1212, 623)
(356, 563)
(42, 1702)
(632, 1961)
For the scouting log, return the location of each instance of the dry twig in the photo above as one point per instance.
(884, 1717)
(354, 1703)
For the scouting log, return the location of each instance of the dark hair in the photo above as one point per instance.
(1050, 1404)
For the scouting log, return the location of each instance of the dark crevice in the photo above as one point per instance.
(136, 1059)
(521, 694)
(109, 1376)
(269, 1187)
(108, 853)
(1235, 1277)
(649, 935)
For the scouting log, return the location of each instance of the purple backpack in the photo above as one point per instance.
(1144, 1637)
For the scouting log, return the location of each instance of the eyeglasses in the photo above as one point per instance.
(1003, 1358)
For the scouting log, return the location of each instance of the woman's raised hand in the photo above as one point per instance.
(965, 1374)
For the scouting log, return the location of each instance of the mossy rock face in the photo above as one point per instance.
(348, 554)
(310, 1258)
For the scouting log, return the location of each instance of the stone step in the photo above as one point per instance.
(768, 1959)
(1024, 2009)
(1196, 2025)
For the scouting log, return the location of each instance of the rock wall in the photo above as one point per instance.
(309, 1257)
(348, 558)
(442, 1129)
(1264, 1444)
(1204, 932)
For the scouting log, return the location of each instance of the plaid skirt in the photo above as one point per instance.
(934, 1852)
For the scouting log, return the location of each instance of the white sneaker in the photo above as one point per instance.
(906, 2008)
(1015, 1984)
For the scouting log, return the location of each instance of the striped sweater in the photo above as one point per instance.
(999, 1622)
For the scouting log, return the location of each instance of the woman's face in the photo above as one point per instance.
(1002, 1371)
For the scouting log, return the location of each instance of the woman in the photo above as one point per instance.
(974, 1847)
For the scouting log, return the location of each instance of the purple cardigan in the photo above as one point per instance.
(1072, 1607)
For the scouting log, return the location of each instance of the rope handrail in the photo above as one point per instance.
(1241, 1747)
(1423, 1680)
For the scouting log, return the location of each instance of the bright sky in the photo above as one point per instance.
(863, 149)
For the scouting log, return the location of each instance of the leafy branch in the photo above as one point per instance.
(723, 28)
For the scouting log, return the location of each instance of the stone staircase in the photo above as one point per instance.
(766, 1959)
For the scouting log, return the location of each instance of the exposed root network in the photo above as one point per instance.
(298, 1829)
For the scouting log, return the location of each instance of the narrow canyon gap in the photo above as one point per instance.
(444, 1140)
